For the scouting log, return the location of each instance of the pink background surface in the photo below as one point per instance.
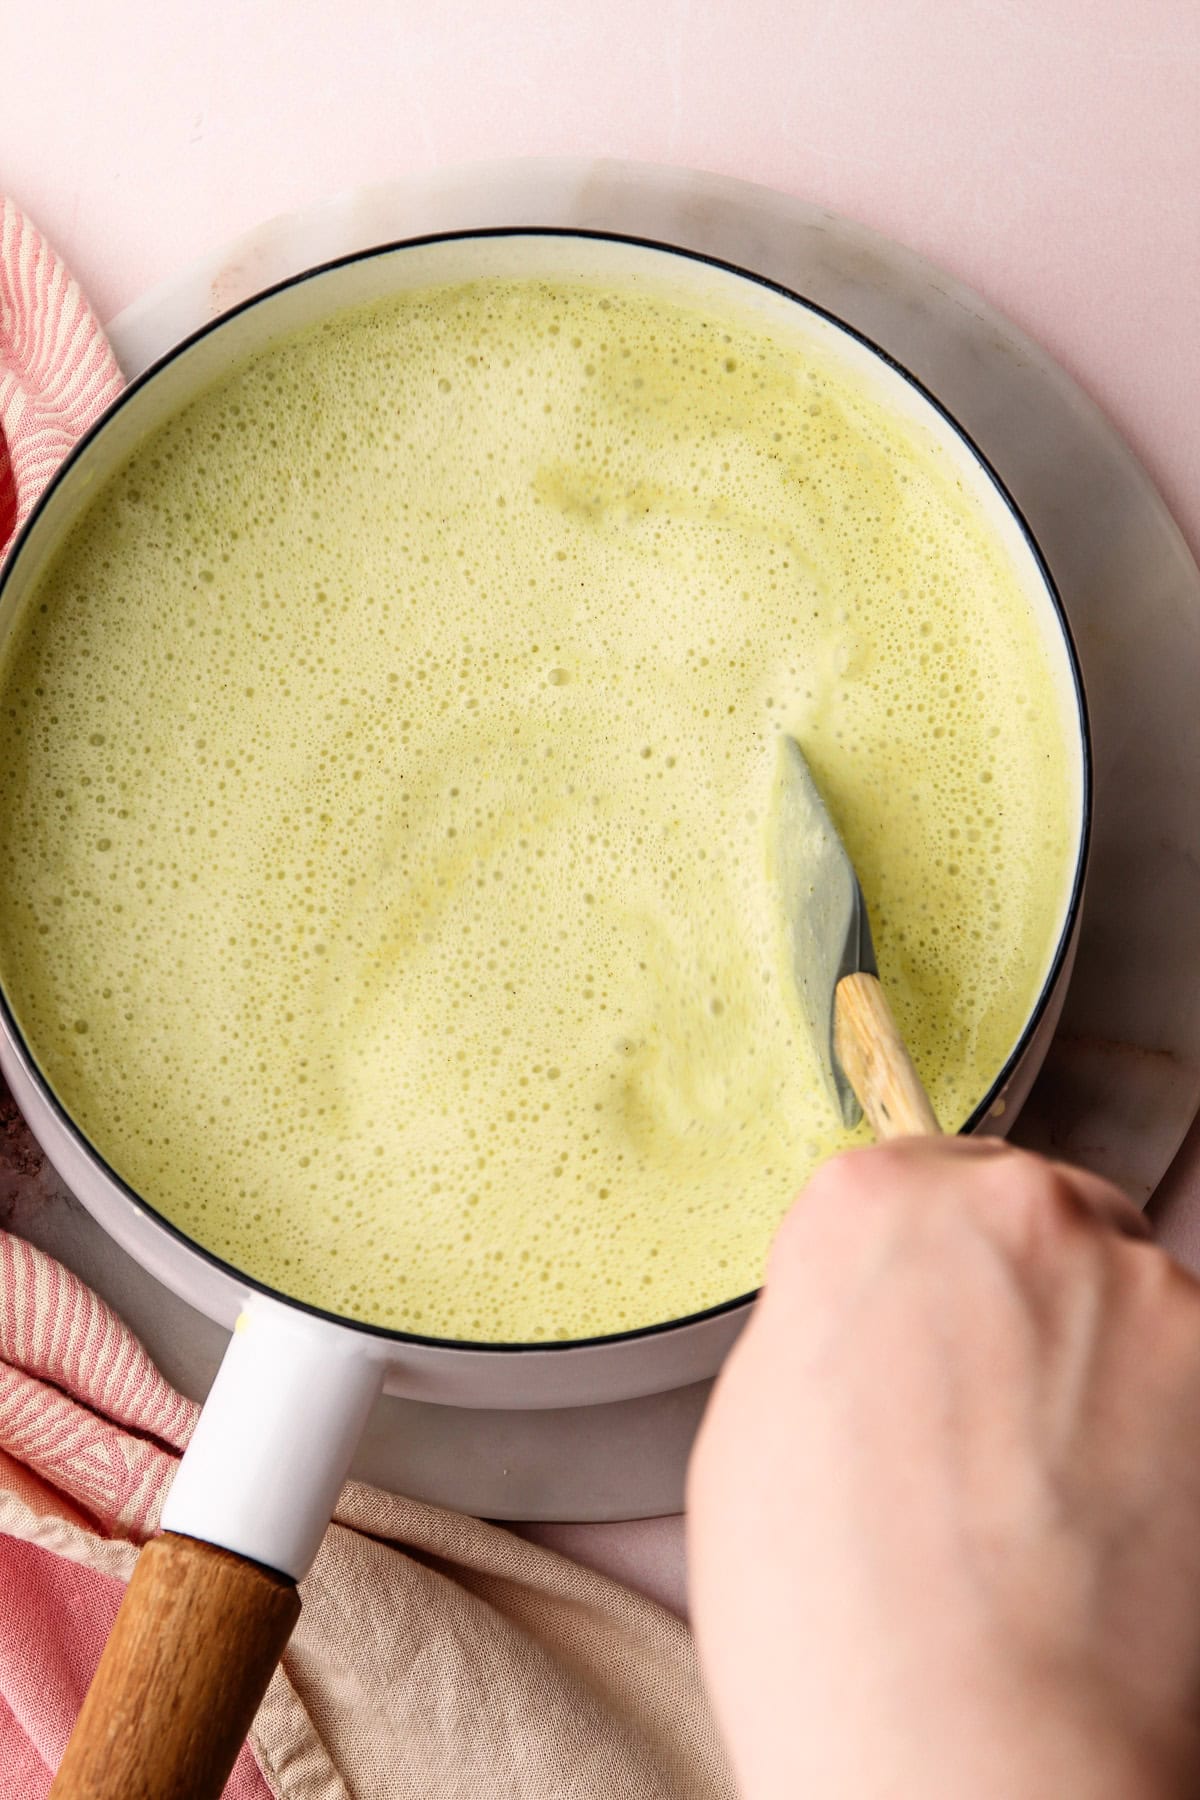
(1046, 151)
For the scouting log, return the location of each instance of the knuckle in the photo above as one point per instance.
(836, 1206)
(1034, 1200)
(856, 1199)
(848, 1175)
(1159, 1303)
(857, 1186)
(1160, 1286)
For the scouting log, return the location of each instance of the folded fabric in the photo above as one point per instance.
(435, 1655)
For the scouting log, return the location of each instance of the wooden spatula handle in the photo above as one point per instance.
(877, 1064)
(194, 1645)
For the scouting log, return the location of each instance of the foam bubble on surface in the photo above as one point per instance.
(390, 755)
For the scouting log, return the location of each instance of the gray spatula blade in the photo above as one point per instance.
(827, 916)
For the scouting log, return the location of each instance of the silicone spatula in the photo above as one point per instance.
(863, 1056)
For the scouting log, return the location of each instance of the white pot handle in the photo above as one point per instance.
(273, 1444)
(213, 1599)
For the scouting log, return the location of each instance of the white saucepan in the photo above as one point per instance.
(210, 1609)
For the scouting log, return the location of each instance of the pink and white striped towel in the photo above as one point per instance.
(81, 1484)
(436, 1656)
(57, 372)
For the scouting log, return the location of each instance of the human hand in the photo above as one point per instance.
(944, 1510)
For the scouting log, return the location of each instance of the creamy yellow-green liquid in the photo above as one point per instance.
(388, 765)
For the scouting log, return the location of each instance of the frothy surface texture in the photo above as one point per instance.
(385, 880)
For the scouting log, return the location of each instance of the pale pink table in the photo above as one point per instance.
(1045, 151)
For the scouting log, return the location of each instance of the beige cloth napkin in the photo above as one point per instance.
(497, 1668)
